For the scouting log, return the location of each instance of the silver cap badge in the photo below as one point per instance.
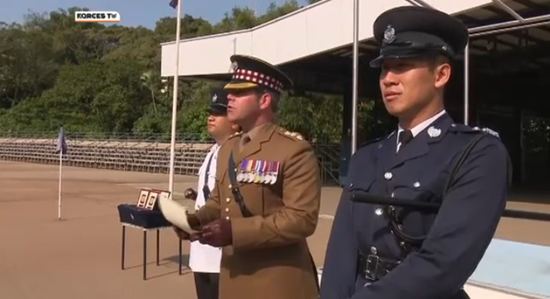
(389, 35)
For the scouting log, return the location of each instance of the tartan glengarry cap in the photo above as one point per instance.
(252, 72)
(412, 31)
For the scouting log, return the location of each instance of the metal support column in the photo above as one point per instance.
(466, 84)
(355, 95)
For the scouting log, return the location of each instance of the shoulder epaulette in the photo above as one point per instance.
(468, 129)
(291, 135)
(487, 131)
(461, 128)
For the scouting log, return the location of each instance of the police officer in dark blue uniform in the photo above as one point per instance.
(377, 251)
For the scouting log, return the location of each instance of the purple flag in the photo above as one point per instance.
(61, 142)
(174, 3)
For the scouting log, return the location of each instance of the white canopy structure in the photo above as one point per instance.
(331, 26)
(321, 45)
(314, 29)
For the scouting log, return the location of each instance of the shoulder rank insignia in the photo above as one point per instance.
(488, 131)
(292, 134)
(468, 129)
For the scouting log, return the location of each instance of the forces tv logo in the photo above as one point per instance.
(96, 17)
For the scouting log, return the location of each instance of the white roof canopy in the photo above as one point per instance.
(308, 31)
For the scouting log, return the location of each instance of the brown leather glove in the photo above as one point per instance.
(217, 233)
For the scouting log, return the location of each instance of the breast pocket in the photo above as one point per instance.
(361, 181)
(409, 190)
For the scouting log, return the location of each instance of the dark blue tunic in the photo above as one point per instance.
(456, 238)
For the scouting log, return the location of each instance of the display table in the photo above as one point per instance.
(145, 231)
(146, 221)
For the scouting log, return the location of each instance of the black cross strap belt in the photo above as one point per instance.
(389, 203)
(232, 173)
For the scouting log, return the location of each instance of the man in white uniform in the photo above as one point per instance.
(204, 259)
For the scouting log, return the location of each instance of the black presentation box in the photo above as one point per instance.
(132, 214)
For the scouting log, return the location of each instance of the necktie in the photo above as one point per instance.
(404, 138)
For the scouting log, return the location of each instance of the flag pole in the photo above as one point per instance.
(60, 185)
(61, 150)
(175, 102)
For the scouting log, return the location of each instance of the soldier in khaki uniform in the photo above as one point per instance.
(267, 195)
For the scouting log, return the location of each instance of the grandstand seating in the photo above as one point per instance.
(119, 155)
(144, 156)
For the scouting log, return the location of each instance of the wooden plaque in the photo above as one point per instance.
(142, 199)
(152, 200)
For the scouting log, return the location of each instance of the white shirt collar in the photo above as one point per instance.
(421, 126)
(418, 128)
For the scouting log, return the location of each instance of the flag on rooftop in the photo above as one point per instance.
(61, 142)
(174, 3)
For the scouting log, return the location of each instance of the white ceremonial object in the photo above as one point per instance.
(175, 214)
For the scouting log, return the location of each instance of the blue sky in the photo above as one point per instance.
(133, 12)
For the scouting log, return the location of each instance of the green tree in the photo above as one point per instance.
(106, 79)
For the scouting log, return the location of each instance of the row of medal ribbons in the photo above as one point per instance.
(258, 171)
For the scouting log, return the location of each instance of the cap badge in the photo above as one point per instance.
(215, 98)
(234, 66)
(389, 35)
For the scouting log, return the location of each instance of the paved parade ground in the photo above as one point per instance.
(79, 257)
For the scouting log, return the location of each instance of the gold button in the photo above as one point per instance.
(228, 199)
(230, 186)
(227, 210)
(227, 218)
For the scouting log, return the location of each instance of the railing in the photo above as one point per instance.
(329, 161)
(109, 136)
(126, 155)
(131, 152)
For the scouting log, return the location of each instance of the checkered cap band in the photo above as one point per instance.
(259, 78)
